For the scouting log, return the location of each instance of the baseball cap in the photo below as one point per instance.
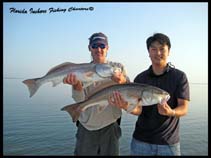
(98, 38)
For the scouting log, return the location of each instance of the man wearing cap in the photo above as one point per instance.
(98, 130)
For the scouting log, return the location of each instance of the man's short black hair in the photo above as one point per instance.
(161, 38)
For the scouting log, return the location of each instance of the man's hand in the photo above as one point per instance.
(72, 80)
(119, 78)
(117, 100)
(165, 109)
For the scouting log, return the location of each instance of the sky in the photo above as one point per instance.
(35, 42)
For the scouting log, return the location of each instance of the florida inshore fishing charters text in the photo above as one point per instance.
(49, 10)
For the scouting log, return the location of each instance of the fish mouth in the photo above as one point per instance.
(167, 97)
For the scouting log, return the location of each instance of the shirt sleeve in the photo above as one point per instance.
(78, 95)
(183, 88)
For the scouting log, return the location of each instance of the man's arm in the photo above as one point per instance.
(182, 108)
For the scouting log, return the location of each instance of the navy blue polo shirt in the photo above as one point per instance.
(151, 127)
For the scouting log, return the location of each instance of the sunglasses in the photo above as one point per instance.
(95, 46)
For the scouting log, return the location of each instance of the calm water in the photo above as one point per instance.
(36, 126)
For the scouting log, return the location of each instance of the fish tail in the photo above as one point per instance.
(74, 110)
(32, 86)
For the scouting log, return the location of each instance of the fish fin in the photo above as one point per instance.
(86, 84)
(74, 110)
(133, 102)
(60, 66)
(131, 107)
(32, 86)
(56, 82)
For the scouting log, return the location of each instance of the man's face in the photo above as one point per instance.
(98, 52)
(158, 53)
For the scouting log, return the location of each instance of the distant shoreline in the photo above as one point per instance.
(24, 78)
(198, 83)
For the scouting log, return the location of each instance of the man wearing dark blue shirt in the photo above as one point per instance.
(157, 128)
